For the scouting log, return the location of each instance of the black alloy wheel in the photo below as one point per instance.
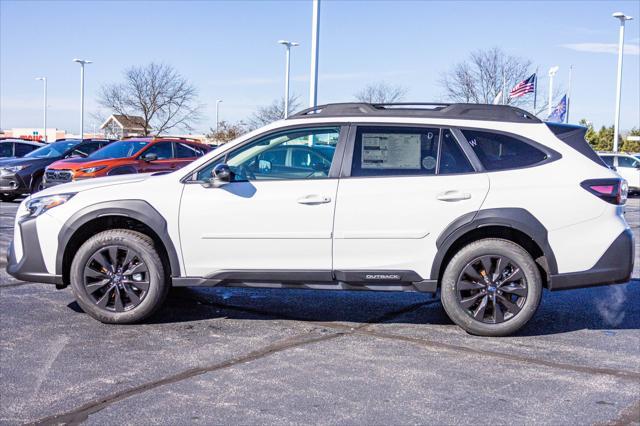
(116, 278)
(492, 289)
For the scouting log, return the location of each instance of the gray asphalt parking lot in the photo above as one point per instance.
(241, 356)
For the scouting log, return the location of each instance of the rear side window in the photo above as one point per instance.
(500, 152)
(23, 148)
(608, 160)
(452, 159)
(388, 151)
(85, 149)
(184, 150)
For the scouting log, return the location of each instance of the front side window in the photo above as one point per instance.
(628, 162)
(608, 160)
(500, 152)
(161, 149)
(293, 154)
(119, 149)
(389, 151)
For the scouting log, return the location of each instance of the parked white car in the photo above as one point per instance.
(627, 166)
(485, 203)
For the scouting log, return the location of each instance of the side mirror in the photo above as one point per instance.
(149, 157)
(221, 175)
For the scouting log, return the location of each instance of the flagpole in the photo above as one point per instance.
(569, 95)
(535, 91)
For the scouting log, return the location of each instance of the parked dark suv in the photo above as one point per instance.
(20, 176)
(14, 147)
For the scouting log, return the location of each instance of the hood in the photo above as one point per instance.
(87, 184)
(8, 162)
(76, 163)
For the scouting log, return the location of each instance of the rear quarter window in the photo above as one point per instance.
(498, 151)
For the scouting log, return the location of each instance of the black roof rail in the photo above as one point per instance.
(460, 111)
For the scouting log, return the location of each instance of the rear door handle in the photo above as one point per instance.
(314, 199)
(453, 196)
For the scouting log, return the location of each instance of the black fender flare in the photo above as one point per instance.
(135, 209)
(515, 218)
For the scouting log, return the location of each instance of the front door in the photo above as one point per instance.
(406, 185)
(165, 159)
(272, 218)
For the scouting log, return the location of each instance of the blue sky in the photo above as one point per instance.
(228, 50)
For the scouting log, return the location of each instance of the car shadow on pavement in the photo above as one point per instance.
(607, 308)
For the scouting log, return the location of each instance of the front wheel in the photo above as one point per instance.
(118, 277)
(37, 185)
(491, 287)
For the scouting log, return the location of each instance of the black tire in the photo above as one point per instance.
(7, 197)
(91, 285)
(37, 185)
(510, 290)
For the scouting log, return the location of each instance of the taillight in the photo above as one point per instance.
(613, 191)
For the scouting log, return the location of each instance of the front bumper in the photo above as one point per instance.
(31, 267)
(13, 184)
(614, 267)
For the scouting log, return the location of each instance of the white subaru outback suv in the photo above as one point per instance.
(485, 203)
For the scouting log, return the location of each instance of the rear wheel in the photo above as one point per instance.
(491, 287)
(118, 277)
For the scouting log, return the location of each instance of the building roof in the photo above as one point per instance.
(128, 122)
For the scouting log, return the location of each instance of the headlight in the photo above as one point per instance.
(11, 169)
(92, 169)
(39, 205)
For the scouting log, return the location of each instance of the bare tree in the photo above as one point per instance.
(226, 131)
(273, 112)
(158, 94)
(381, 93)
(480, 78)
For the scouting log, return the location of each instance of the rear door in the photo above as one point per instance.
(185, 153)
(400, 189)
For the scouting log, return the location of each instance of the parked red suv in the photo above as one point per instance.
(136, 155)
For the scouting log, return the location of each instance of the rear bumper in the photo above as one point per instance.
(31, 267)
(614, 267)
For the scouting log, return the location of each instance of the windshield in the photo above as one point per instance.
(120, 149)
(53, 150)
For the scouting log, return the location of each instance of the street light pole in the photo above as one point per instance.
(44, 79)
(218, 113)
(82, 63)
(552, 73)
(616, 131)
(315, 38)
(288, 45)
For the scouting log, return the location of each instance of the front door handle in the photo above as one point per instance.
(453, 196)
(314, 199)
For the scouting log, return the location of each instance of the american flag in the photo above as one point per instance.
(524, 87)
